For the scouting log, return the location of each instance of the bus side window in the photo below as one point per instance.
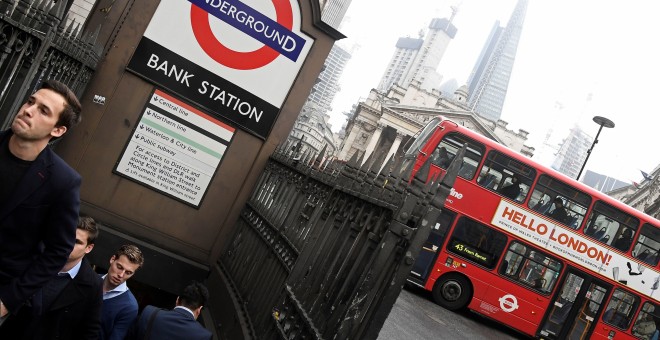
(616, 227)
(648, 321)
(506, 176)
(574, 202)
(621, 309)
(540, 202)
(449, 146)
(466, 171)
(489, 178)
(471, 161)
(648, 244)
(530, 267)
(441, 157)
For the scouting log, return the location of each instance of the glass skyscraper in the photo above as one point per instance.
(489, 80)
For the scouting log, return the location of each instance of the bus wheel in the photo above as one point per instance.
(452, 291)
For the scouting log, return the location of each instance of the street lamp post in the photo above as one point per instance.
(603, 122)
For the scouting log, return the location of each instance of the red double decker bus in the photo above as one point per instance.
(533, 249)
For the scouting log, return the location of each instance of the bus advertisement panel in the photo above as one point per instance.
(590, 255)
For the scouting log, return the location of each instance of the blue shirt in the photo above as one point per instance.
(73, 271)
(116, 291)
(118, 312)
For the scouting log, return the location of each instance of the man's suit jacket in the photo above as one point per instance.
(172, 324)
(37, 227)
(74, 314)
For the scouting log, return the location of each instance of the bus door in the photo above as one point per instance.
(576, 307)
(432, 246)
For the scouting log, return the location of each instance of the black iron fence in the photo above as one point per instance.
(322, 249)
(35, 45)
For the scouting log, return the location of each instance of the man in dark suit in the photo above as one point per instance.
(68, 306)
(39, 196)
(178, 323)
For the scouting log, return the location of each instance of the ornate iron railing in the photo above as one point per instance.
(322, 249)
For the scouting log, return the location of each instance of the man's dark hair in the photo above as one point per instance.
(88, 224)
(72, 109)
(194, 295)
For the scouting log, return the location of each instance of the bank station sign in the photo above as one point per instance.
(236, 60)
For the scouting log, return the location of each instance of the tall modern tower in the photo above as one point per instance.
(334, 12)
(418, 58)
(327, 83)
(572, 152)
(406, 50)
(490, 76)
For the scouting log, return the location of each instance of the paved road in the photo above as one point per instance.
(416, 317)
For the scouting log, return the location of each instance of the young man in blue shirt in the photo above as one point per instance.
(120, 308)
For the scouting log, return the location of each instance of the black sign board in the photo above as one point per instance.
(202, 87)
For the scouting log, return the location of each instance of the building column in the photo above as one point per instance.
(373, 141)
(395, 145)
(349, 141)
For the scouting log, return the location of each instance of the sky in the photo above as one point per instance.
(575, 60)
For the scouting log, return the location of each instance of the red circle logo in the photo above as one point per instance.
(199, 20)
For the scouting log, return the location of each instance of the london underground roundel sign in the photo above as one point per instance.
(226, 56)
(238, 59)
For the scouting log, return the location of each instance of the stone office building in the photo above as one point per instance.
(389, 120)
(311, 133)
(644, 196)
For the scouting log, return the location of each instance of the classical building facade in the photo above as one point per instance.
(390, 120)
(644, 196)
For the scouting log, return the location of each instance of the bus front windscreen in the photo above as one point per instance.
(422, 138)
